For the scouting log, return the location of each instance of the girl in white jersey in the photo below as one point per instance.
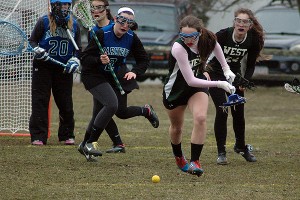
(187, 86)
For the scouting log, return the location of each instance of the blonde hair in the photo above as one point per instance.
(53, 26)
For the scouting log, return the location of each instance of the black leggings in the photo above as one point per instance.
(102, 111)
(122, 112)
(220, 126)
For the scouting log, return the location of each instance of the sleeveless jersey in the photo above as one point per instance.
(59, 46)
(97, 28)
(116, 48)
(175, 84)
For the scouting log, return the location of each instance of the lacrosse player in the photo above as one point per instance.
(118, 40)
(49, 37)
(187, 86)
(101, 13)
(244, 39)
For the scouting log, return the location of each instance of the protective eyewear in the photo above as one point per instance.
(122, 20)
(100, 8)
(192, 36)
(245, 22)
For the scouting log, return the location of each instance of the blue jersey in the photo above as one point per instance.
(59, 46)
(97, 28)
(116, 48)
(94, 72)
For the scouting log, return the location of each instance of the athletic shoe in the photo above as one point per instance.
(116, 149)
(89, 158)
(70, 141)
(245, 153)
(80, 148)
(195, 168)
(152, 117)
(222, 160)
(182, 163)
(37, 143)
(92, 149)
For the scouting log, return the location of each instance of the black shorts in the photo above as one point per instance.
(183, 99)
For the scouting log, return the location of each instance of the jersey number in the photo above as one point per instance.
(58, 47)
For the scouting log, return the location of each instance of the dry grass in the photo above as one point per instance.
(56, 171)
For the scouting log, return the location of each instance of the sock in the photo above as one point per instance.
(145, 111)
(196, 150)
(177, 149)
(95, 134)
(240, 144)
(116, 139)
(86, 137)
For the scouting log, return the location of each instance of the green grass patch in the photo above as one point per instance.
(56, 171)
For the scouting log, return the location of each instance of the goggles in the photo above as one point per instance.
(245, 22)
(192, 36)
(122, 20)
(100, 8)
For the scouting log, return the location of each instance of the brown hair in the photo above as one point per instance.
(108, 12)
(207, 40)
(258, 29)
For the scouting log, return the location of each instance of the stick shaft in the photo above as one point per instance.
(72, 39)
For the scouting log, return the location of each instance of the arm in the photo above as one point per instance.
(253, 53)
(229, 75)
(91, 55)
(140, 56)
(181, 56)
(37, 33)
(218, 52)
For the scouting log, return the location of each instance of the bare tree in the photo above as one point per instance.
(202, 7)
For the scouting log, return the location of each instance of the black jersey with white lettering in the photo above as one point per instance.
(235, 51)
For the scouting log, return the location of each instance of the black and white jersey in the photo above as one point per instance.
(234, 52)
(175, 84)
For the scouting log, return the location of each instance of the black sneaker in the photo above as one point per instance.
(92, 149)
(245, 153)
(152, 117)
(80, 148)
(222, 160)
(116, 149)
(89, 158)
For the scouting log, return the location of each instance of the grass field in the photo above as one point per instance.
(57, 171)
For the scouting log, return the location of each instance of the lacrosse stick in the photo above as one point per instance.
(244, 83)
(233, 100)
(293, 87)
(14, 41)
(82, 11)
(72, 39)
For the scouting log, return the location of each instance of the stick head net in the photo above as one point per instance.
(82, 11)
(13, 41)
